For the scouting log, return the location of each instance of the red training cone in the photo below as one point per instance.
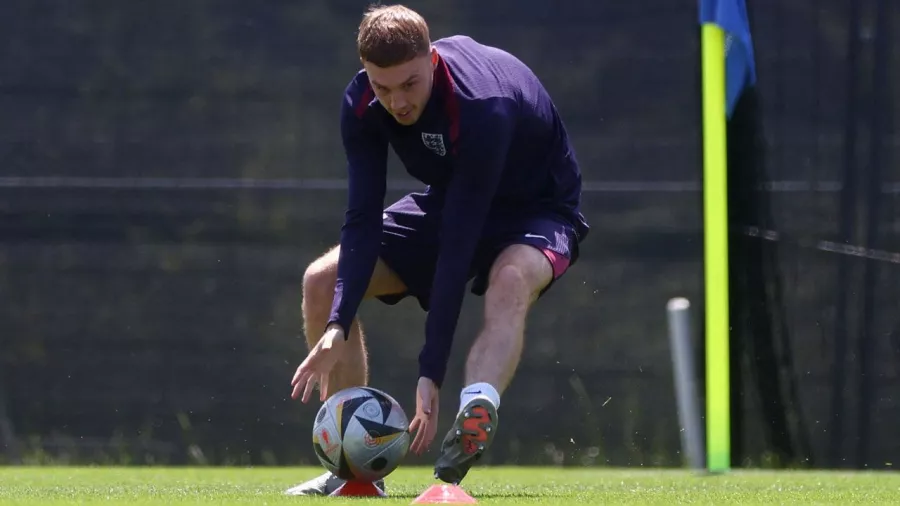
(358, 489)
(444, 494)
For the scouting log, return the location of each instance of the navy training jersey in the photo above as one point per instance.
(489, 139)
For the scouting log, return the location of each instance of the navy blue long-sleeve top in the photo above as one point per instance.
(489, 137)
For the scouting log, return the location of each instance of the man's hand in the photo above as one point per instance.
(318, 365)
(424, 424)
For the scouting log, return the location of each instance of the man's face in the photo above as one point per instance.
(404, 89)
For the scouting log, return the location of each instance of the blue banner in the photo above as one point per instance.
(740, 66)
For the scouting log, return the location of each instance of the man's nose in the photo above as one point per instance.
(398, 102)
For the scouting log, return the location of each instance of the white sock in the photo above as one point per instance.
(479, 391)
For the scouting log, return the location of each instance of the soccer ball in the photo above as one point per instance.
(361, 434)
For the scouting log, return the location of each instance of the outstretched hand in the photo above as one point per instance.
(318, 365)
(424, 423)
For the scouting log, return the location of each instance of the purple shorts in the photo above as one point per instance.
(409, 244)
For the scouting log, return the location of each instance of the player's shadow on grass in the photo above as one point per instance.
(480, 495)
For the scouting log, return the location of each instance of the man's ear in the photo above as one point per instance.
(434, 57)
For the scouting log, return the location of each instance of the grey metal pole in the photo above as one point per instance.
(689, 416)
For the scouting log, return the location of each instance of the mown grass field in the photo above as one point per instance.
(48, 486)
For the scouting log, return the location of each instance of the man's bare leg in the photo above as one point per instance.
(516, 279)
(318, 293)
(352, 370)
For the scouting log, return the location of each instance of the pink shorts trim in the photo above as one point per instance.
(557, 261)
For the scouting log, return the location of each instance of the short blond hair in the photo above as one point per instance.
(391, 35)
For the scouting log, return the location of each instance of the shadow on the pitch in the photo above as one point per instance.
(477, 495)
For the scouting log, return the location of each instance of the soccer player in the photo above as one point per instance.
(501, 207)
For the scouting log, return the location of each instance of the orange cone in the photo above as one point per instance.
(358, 489)
(444, 494)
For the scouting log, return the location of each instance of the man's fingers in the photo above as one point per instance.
(323, 387)
(417, 440)
(310, 384)
(297, 374)
(298, 382)
(429, 434)
(422, 438)
(424, 429)
(414, 430)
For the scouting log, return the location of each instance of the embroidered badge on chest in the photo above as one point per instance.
(434, 142)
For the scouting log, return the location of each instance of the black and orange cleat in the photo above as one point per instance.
(468, 439)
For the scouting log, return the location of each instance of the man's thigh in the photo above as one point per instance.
(552, 236)
(409, 245)
(384, 280)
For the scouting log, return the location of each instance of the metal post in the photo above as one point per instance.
(678, 315)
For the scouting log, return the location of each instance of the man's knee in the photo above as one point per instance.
(519, 273)
(321, 276)
(319, 280)
(508, 280)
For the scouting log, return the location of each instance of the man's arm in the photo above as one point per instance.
(366, 151)
(480, 163)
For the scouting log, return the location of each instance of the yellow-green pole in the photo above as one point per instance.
(715, 246)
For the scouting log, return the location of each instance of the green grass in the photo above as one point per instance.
(503, 486)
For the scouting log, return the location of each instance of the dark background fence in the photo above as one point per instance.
(818, 261)
(168, 169)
